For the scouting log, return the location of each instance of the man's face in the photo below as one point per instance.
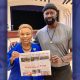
(50, 16)
(25, 35)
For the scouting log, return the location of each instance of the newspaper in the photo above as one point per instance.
(35, 63)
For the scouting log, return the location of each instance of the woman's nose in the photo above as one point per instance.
(25, 35)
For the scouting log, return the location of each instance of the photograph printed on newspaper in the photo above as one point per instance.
(35, 63)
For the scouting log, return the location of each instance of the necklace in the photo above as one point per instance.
(28, 50)
(50, 37)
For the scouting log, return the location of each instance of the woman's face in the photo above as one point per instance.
(25, 35)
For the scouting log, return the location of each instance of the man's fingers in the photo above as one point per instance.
(55, 58)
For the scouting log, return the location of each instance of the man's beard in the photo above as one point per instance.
(49, 21)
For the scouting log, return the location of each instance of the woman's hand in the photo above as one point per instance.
(15, 55)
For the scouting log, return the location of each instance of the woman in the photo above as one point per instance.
(25, 45)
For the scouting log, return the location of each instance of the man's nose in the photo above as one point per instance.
(49, 15)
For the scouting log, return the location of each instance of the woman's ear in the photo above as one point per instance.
(18, 34)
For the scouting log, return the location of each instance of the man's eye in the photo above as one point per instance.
(51, 13)
(47, 13)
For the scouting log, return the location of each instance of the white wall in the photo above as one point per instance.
(65, 10)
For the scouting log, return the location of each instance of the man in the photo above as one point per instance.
(56, 37)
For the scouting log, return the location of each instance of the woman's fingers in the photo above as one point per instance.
(15, 54)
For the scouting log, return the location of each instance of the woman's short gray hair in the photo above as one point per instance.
(25, 26)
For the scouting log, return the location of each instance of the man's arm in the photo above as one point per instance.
(12, 44)
(68, 57)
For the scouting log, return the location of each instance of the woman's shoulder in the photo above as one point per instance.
(36, 46)
(15, 46)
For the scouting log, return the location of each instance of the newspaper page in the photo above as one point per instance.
(35, 63)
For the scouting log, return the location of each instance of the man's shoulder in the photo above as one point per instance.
(42, 29)
(63, 26)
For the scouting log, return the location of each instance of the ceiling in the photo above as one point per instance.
(64, 4)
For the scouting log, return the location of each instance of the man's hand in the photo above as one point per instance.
(12, 44)
(56, 60)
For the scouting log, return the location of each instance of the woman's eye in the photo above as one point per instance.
(22, 34)
(28, 34)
